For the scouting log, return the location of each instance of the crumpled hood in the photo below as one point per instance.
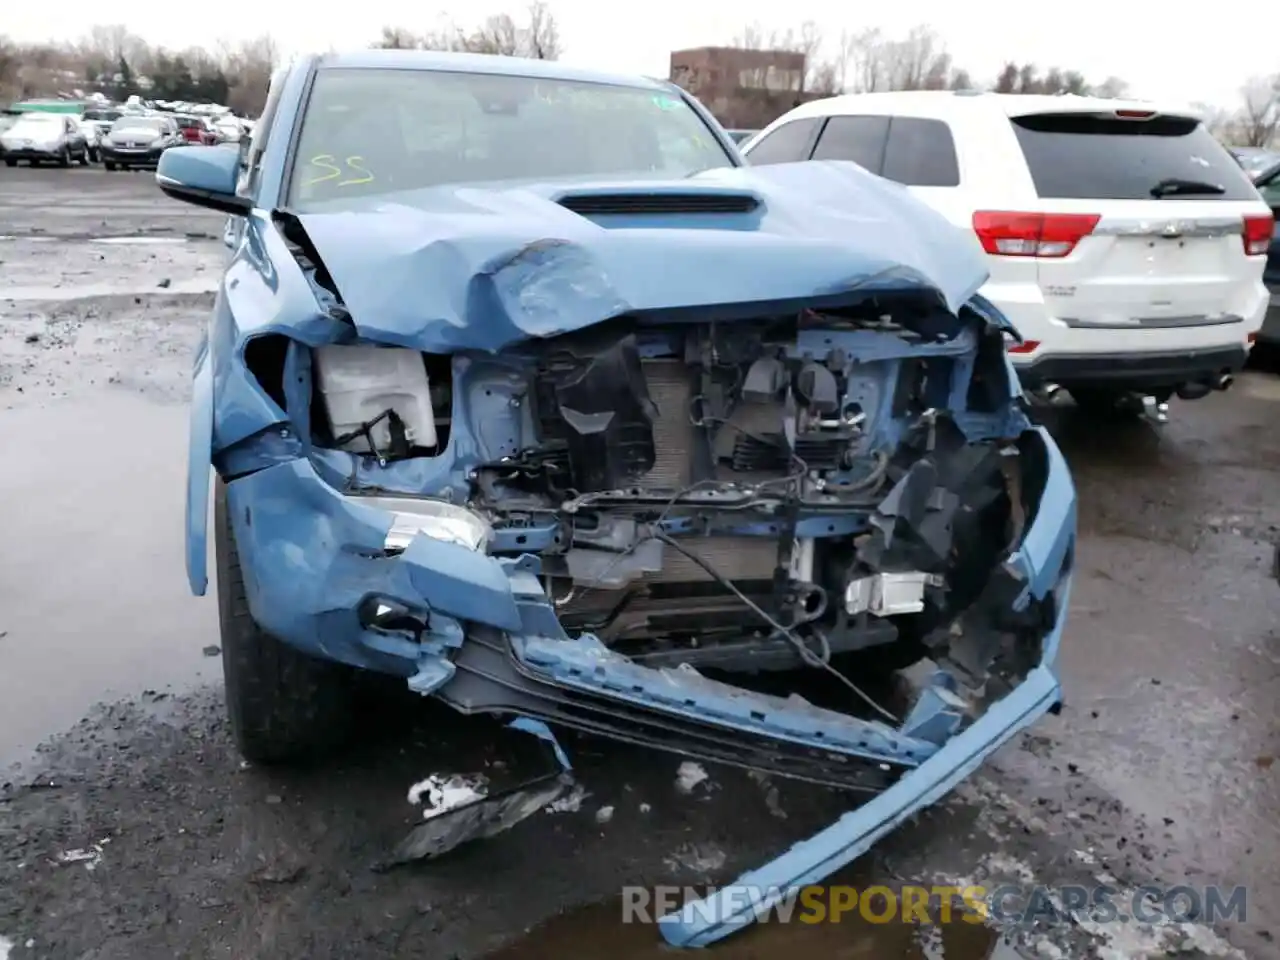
(474, 267)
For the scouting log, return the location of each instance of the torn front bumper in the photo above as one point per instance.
(489, 640)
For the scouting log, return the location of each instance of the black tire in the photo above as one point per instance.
(64, 158)
(109, 165)
(85, 158)
(284, 706)
(1104, 402)
(11, 163)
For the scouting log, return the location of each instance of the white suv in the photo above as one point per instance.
(1124, 242)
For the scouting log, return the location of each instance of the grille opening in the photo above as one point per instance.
(658, 203)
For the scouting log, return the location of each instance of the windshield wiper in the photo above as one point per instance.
(1175, 186)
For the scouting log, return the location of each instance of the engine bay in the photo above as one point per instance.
(714, 494)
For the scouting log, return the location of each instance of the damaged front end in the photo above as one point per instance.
(809, 531)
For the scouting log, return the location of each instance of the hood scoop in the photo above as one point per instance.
(634, 203)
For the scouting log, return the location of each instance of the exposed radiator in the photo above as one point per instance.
(671, 392)
(737, 558)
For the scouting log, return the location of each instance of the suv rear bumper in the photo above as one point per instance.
(1166, 368)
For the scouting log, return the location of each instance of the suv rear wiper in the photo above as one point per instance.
(1172, 186)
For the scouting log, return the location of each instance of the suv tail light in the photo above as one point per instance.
(1257, 235)
(1009, 234)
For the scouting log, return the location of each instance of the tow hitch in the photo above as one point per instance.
(1157, 411)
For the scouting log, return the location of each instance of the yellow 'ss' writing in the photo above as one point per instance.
(330, 169)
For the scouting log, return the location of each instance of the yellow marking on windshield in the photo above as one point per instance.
(356, 164)
(324, 161)
(331, 168)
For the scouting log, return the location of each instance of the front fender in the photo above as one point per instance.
(199, 465)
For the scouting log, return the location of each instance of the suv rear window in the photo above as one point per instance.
(1084, 156)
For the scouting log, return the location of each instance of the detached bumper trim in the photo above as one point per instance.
(733, 907)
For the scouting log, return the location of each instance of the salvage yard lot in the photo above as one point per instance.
(1159, 770)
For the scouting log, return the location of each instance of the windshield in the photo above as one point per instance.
(375, 132)
(141, 124)
(37, 124)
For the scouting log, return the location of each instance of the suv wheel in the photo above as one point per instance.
(283, 705)
(64, 158)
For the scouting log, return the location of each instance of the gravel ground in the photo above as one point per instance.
(129, 827)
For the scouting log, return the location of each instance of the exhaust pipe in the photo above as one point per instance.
(1202, 388)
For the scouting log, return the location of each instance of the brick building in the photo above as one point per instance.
(742, 88)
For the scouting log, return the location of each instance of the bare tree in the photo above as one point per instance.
(1260, 112)
(542, 33)
(1217, 120)
(1007, 81)
(869, 61)
(249, 65)
(496, 35)
(397, 38)
(537, 37)
(867, 71)
(1113, 88)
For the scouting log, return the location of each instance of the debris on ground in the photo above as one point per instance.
(689, 776)
(570, 802)
(604, 815)
(698, 858)
(461, 809)
(5, 946)
(447, 793)
(90, 857)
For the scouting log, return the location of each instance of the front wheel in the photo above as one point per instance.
(284, 706)
(84, 157)
(11, 163)
(110, 166)
(64, 158)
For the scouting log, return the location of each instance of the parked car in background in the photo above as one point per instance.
(196, 130)
(91, 137)
(228, 129)
(44, 138)
(1124, 242)
(102, 118)
(138, 141)
(1254, 160)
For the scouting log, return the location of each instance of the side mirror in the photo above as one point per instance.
(204, 176)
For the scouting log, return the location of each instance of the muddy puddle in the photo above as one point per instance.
(599, 931)
(94, 603)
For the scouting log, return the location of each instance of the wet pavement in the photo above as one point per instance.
(129, 828)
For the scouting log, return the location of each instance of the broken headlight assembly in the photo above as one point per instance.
(437, 519)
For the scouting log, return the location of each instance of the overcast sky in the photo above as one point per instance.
(1163, 52)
